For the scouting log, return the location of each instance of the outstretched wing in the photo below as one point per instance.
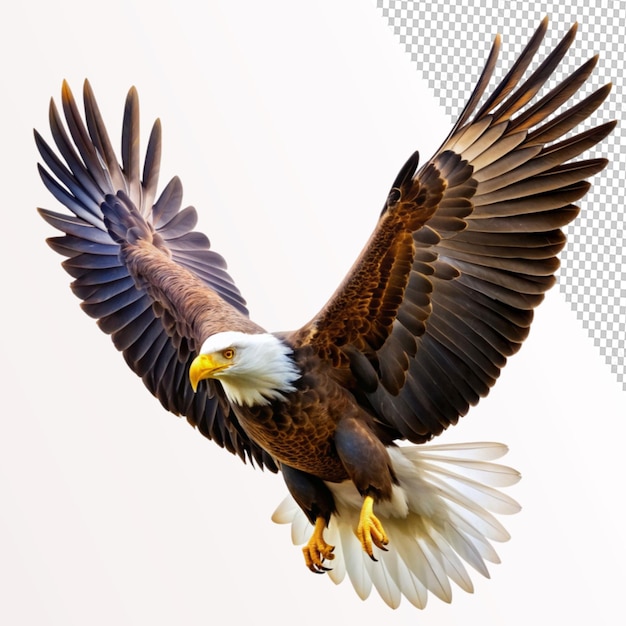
(464, 250)
(156, 349)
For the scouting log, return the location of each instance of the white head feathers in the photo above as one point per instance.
(257, 368)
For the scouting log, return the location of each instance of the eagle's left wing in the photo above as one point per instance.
(464, 250)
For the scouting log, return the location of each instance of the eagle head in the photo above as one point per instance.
(253, 369)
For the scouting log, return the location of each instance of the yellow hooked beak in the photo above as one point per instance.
(203, 366)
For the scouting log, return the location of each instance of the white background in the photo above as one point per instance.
(287, 122)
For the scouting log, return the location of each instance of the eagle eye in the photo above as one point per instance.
(228, 354)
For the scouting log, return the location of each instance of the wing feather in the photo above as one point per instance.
(89, 181)
(485, 215)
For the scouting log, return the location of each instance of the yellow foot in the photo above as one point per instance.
(317, 550)
(370, 531)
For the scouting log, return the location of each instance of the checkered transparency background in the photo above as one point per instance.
(449, 43)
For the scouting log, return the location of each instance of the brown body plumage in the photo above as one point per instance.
(442, 294)
(300, 433)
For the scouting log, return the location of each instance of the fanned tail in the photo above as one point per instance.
(440, 519)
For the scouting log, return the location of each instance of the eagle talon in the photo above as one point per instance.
(317, 550)
(370, 531)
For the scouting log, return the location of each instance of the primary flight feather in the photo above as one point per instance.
(418, 331)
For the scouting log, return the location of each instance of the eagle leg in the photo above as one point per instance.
(370, 531)
(317, 550)
(367, 462)
(315, 499)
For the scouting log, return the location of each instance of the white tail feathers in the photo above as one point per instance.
(439, 517)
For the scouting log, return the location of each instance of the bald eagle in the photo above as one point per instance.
(418, 331)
